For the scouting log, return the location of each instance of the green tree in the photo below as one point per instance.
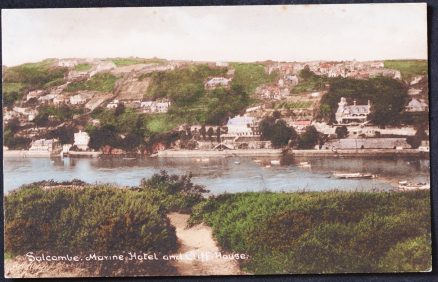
(105, 135)
(309, 138)
(282, 134)
(203, 131)
(341, 131)
(132, 141)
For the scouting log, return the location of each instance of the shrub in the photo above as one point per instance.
(322, 232)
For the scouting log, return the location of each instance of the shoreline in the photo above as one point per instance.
(171, 153)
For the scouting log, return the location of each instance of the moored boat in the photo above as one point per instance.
(356, 175)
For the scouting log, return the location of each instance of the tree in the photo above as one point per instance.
(218, 134)
(282, 134)
(13, 125)
(309, 138)
(65, 134)
(132, 141)
(203, 132)
(105, 135)
(341, 131)
(306, 73)
(120, 109)
(266, 128)
(210, 133)
(420, 135)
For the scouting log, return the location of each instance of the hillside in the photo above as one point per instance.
(150, 99)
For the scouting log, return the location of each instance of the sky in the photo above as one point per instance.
(234, 33)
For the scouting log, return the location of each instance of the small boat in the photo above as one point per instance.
(275, 162)
(268, 166)
(406, 186)
(257, 161)
(237, 162)
(304, 164)
(356, 175)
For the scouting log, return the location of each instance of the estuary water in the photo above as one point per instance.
(220, 175)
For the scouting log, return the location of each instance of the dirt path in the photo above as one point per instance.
(200, 249)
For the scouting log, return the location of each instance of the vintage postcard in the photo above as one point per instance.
(216, 140)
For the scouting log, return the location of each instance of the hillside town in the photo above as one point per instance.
(62, 118)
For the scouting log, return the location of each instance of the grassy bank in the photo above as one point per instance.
(323, 232)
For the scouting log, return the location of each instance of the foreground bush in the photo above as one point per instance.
(323, 232)
(78, 218)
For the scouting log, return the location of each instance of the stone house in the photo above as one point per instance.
(417, 106)
(347, 114)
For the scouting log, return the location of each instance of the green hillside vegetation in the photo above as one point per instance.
(102, 82)
(83, 67)
(191, 103)
(97, 218)
(120, 62)
(250, 76)
(26, 77)
(323, 232)
(12, 92)
(293, 105)
(408, 68)
(388, 98)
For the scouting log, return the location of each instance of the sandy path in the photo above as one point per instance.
(199, 249)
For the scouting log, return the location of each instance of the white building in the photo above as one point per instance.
(217, 82)
(77, 99)
(155, 106)
(352, 113)
(44, 145)
(69, 63)
(417, 106)
(113, 104)
(81, 140)
(242, 126)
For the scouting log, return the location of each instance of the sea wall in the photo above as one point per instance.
(25, 154)
(359, 152)
(224, 153)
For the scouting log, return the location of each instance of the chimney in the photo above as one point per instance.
(354, 102)
(369, 103)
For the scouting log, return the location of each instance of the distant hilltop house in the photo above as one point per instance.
(352, 113)
(68, 63)
(81, 140)
(161, 106)
(44, 145)
(217, 82)
(222, 64)
(417, 106)
(367, 143)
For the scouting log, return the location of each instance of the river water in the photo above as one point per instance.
(219, 175)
